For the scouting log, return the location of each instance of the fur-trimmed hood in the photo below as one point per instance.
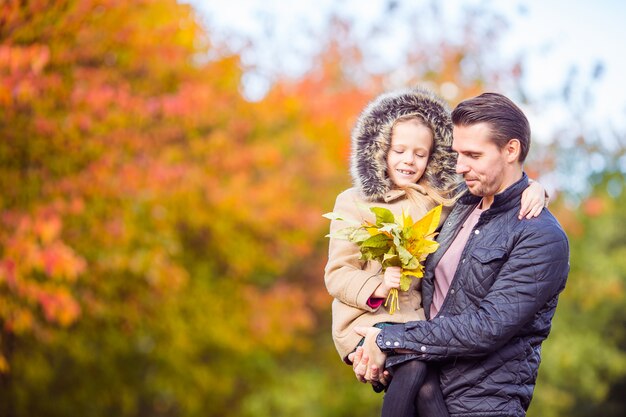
(371, 139)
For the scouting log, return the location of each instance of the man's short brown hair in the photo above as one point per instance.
(506, 120)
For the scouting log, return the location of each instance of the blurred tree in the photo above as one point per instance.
(161, 238)
(142, 243)
(586, 353)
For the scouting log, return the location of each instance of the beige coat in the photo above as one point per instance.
(351, 281)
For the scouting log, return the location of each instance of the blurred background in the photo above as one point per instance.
(164, 166)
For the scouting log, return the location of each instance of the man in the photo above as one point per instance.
(491, 289)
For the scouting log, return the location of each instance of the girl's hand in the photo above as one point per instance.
(534, 199)
(391, 279)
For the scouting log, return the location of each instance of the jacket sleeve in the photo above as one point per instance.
(529, 281)
(345, 275)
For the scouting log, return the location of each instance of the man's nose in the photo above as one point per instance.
(461, 168)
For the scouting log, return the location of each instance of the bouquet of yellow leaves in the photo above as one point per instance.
(391, 242)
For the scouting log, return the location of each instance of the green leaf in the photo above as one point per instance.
(390, 256)
(332, 216)
(405, 255)
(391, 259)
(390, 228)
(397, 239)
(343, 234)
(373, 254)
(412, 263)
(377, 241)
(336, 216)
(375, 247)
(383, 215)
(359, 235)
(405, 282)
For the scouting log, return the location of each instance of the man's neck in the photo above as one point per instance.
(486, 202)
(515, 176)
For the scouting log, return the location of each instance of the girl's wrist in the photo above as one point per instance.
(380, 292)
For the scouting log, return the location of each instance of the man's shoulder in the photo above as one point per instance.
(543, 235)
(544, 224)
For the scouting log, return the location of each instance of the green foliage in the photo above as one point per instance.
(312, 389)
(586, 352)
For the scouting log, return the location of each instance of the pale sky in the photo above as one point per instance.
(554, 35)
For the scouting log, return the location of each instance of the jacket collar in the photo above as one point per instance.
(503, 201)
(394, 194)
(397, 193)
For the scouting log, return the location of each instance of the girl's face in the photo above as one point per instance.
(411, 143)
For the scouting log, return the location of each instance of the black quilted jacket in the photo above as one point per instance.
(487, 336)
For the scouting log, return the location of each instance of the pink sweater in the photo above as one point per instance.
(446, 268)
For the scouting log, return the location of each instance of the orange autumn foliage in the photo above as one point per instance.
(135, 163)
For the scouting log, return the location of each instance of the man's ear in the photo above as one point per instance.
(512, 150)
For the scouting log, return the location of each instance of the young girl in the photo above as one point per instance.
(401, 160)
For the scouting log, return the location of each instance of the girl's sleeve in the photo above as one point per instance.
(344, 275)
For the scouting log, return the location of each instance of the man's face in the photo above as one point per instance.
(480, 161)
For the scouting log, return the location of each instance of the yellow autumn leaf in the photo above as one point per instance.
(427, 224)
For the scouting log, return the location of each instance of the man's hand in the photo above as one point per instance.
(368, 362)
(359, 365)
